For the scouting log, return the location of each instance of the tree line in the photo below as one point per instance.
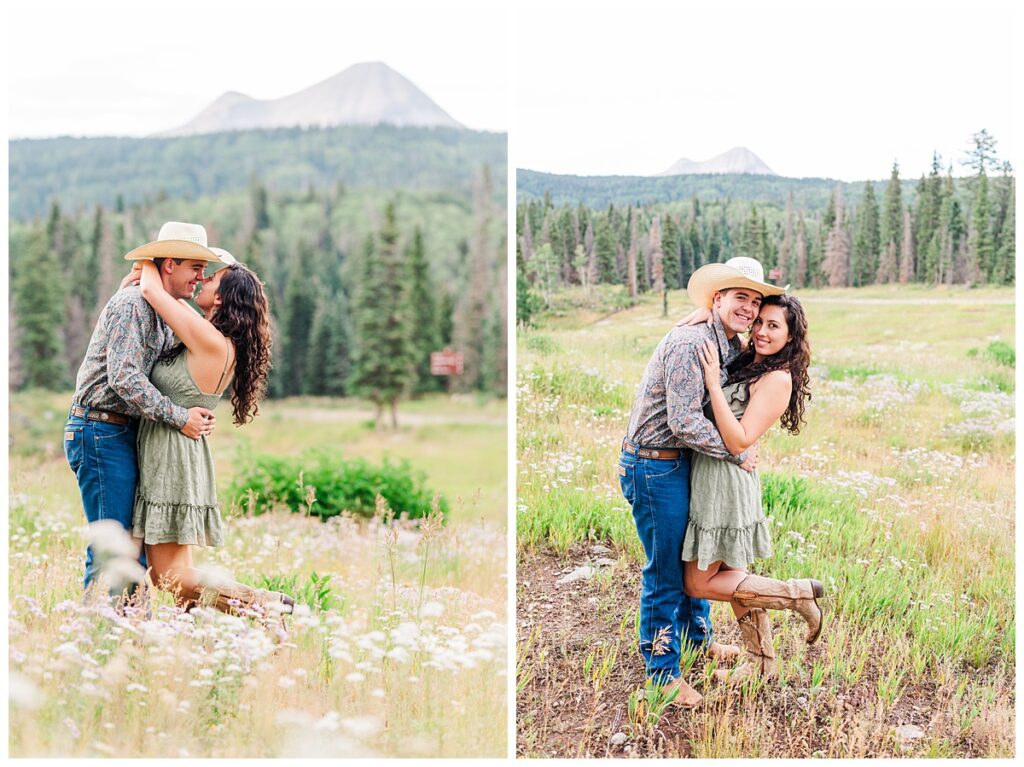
(147, 170)
(951, 230)
(362, 286)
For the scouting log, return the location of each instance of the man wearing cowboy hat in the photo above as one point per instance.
(667, 422)
(113, 389)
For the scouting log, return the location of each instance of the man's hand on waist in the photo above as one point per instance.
(200, 423)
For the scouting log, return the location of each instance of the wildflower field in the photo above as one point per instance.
(898, 495)
(398, 647)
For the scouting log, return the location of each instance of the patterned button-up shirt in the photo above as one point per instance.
(669, 407)
(128, 338)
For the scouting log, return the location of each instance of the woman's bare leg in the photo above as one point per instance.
(171, 570)
(718, 583)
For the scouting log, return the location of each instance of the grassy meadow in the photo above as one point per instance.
(399, 649)
(898, 495)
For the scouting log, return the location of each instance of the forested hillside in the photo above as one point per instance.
(83, 172)
(316, 236)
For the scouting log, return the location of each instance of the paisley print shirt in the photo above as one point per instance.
(669, 407)
(114, 376)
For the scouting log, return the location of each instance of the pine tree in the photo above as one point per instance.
(906, 272)
(604, 248)
(328, 362)
(657, 259)
(1003, 274)
(891, 225)
(383, 369)
(297, 323)
(38, 304)
(865, 244)
(786, 265)
(632, 286)
(836, 262)
(980, 237)
(423, 300)
(799, 276)
(670, 247)
(472, 307)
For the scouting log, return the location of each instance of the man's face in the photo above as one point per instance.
(738, 308)
(181, 279)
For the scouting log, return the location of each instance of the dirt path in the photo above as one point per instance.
(332, 415)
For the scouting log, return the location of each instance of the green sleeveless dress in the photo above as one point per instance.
(176, 499)
(726, 521)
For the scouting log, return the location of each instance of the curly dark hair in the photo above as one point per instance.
(243, 316)
(795, 357)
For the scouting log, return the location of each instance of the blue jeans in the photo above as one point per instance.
(659, 492)
(104, 459)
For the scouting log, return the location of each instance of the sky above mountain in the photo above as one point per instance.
(837, 89)
(119, 67)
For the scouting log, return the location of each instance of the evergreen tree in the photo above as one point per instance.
(604, 247)
(383, 369)
(1003, 273)
(799, 276)
(472, 308)
(426, 328)
(906, 272)
(670, 247)
(836, 261)
(891, 225)
(980, 237)
(866, 240)
(38, 304)
(297, 315)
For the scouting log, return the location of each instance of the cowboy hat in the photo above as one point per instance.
(225, 258)
(738, 272)
(177, 240)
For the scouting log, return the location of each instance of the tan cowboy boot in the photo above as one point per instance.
(798, 595)
(722, 653)
(235, 597)
(756, 632)
(687, 697)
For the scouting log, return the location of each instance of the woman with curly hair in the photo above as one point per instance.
(727, 529)
(176, 501)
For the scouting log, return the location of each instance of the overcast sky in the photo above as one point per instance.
(837, 89)
(104, 67)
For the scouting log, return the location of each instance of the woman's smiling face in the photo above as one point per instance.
(207, 297)
(770, 332)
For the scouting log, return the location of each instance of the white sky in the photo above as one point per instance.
(104, 67)
(837, 89)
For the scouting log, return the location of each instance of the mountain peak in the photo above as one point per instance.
(739, 159)
(367, 93)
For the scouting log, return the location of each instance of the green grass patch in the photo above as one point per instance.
(562, 517)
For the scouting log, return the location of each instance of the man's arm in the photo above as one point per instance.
(126, 328)
(684, 394)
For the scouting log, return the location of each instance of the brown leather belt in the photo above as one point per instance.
(658, 453)
(80, 411)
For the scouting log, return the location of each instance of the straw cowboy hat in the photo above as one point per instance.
(177, 240)
(225, 258)
(739, 272)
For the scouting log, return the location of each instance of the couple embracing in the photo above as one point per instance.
(688, 469)
(137, 433)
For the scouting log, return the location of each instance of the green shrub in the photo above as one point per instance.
(1003, 353)
(340, 485)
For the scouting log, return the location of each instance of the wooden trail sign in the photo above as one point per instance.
(446, 363)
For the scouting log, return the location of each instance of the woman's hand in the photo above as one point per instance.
(696, 317)
(708, 354)
(133, 277)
